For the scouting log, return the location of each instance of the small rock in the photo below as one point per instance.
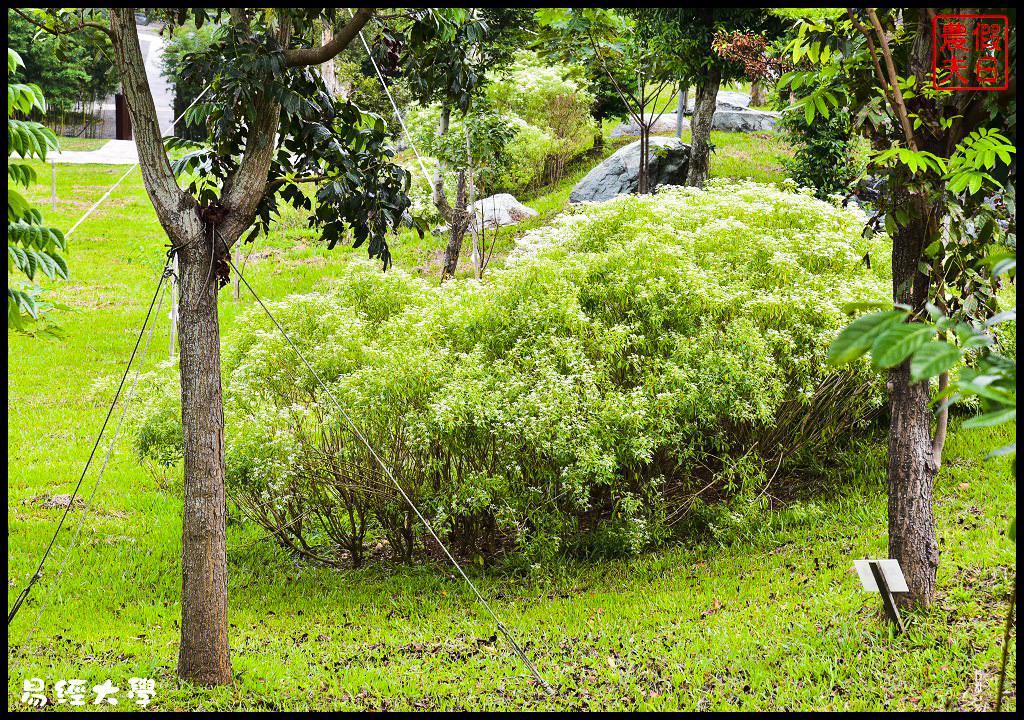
(500, 210)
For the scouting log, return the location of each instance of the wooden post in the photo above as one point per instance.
(681, 110)
(887, 600)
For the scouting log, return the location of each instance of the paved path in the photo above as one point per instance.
(124, 152)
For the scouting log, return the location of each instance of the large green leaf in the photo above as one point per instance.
(857, 337)
(933, 359)
(894, 345)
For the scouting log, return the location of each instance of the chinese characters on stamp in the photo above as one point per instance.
(969, 52)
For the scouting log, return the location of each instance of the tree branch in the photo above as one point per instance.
(897, 94)
(66, 31)
(315, 56)
(890, 93)
(175, 209)
(626, 98)
(281, 182)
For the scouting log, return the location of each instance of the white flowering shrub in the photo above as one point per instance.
(625, 356)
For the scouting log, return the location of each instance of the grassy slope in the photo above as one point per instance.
(775, 622)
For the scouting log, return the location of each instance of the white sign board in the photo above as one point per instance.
(890, 571)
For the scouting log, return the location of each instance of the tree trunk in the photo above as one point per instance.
(756, 94)
(203, 656)
(911, 469)
(705, 102)
(473, 219)
(438, 195)
(643, 179)
(456, 229)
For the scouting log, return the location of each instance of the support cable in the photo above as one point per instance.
(501, 626)
(129, 170)
(164, 274)
(39, 571)
(398, 114)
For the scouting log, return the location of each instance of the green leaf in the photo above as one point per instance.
(933, 359)
(993, 418)
(858, 336)
(894, 345)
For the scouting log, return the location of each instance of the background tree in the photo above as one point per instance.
(272, 127)
(182, 44)
(445, 58)
(686, 40)
(624, 46)
(74, 73)
(941, 153)
(558, 39)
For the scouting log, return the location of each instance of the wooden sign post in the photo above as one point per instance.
(884, 577)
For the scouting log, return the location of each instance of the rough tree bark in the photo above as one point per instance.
(704, 104)
(756, 94)
(203, 655)
(912, 466)
(202, 237)
(458, 221)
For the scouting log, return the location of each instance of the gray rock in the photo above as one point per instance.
(500, 210)
(725, 100)
(744, 120)
(439, 230)
(665, 124)
(669, 161)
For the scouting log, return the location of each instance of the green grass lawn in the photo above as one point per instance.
(766, 617)
(79, 144)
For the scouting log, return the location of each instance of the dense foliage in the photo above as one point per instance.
(823, 152)
(182, 43)
(32, 247)
(570, 403)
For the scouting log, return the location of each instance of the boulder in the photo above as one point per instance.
(665, 124)
(733, 113)
(500, 210)
(725, 100)
(744, 120)
(669, 161)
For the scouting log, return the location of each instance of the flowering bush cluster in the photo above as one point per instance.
(625, 357)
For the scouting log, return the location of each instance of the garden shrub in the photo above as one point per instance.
(627, 356)
(824, 151)
(546, 97)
